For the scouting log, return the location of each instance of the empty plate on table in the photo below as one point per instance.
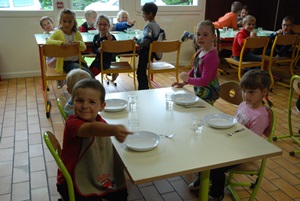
(185, 99)
(115, 105)
(219, 120)
(142, 141)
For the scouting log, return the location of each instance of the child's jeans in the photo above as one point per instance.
(248, 57)
(142, 69)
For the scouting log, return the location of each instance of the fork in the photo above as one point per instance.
(236, 131)
(167, 136)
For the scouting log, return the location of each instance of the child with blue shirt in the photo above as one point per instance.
(123, 21)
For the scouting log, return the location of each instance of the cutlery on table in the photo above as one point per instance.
(167, 136)
(193, 106)
(236, 131)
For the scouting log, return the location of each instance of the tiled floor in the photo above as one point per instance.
(28, 172)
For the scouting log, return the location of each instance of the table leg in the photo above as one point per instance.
(204, 185)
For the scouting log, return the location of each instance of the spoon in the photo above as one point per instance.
(167, 136)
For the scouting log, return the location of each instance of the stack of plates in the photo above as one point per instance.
(142, 141)
(115, 105)
(185, 99)
(219, 120)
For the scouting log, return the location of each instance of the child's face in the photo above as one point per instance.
(103, 26)
(91, 19)
(254, 97)
(205, 37)
(244, 13)
(287, 26)
(147, 16)
(123, 17)
(87, 104)
(249, 26)
(67, 22)
(47, 25)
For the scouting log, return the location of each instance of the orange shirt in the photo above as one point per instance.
(228, 20)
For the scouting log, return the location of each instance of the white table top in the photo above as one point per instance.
(226, 35)
(87, 37)
(187, 152)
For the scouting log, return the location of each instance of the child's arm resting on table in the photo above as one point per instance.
(101, 129)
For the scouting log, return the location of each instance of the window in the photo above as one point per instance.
(20, 5)
(171, 2)
(102, 5)
(173, 5)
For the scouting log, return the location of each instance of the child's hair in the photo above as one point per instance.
(45, 18)
(207, 23)
(236, 6)
(150, 8)
(257, 79)
(120, 13)
(74, 76)
(100, 17)
(88, 13)
(249, 18)
(289, 18)
(245, 7)
(67, 11)
(89, 83)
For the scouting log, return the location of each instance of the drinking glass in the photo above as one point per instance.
(132, 102)
(197, 124)
(169, 100)
(224, 29)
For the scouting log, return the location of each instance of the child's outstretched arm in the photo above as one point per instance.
(101, 129)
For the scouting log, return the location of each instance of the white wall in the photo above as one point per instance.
(19, 55)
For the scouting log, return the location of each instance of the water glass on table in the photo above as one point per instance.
(197, 124)
(169, 100)
(132, 102)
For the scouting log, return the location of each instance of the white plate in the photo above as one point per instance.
(219, 120)
(185, 99)
(142, 141)
(115, 105)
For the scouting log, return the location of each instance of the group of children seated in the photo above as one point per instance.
(88, 96)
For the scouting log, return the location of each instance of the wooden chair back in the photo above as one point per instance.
(231, 92)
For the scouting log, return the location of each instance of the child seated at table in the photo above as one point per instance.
(103, 27)
(238, 42)
(244, 13)
(72, 78)
(88, 152)
(252, 114)
(89, 24)
(286, 29)
(229, 20)
(68, 35)
(47, 25)
(204, 73)
(123, 21)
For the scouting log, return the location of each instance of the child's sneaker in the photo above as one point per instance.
(185, 36)
(60, 83)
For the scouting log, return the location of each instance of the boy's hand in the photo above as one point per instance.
(64, 45)
(108, 36)
(121, 133)
(100, 50)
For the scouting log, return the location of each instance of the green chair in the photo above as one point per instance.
(61, 102)
(55, 149)
(252, 168)
(294, 87)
